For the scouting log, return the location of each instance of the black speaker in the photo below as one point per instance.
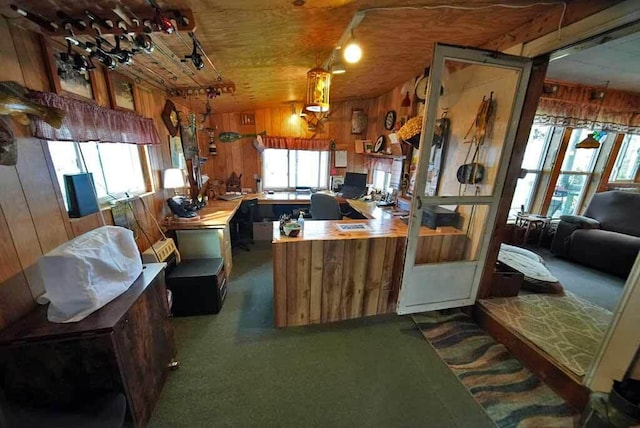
(80, 197)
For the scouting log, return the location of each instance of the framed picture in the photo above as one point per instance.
(64, 79)
(120, 91)
(368, 146)
(358, 121)
(177, 154)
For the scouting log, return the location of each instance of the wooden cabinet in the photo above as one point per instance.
(126, 346)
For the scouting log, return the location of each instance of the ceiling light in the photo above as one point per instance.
(588, 143)
(338, 66)
(353, 52)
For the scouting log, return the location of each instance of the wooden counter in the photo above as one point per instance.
(372, 211)
(217, 214)
(327, 275)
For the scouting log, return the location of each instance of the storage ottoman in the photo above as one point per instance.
(199, 286)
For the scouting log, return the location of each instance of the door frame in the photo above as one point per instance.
(604, 369)
(476, 267)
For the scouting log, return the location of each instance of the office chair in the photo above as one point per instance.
(242, 224)
(325, 207)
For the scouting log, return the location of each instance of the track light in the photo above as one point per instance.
(352, 52)
(338, 66)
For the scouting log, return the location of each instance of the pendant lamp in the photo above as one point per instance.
(590, 142)
(318, 82)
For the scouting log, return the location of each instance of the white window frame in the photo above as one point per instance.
(621, 154)
(143, 156)
(289, 187)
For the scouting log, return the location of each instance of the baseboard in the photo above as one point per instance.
(562, 382)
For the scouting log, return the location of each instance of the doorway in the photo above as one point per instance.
(569, 327)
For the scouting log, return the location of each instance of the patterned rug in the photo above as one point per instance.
(511, 395)
(569, 329)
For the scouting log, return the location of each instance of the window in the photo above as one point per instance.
(381, 180)
(533, 160)
(288, 169)
(575, 173)
(117, 168)
(628, 161)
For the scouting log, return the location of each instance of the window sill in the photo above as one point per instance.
(105, 206)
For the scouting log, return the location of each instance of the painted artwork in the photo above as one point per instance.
(177, 154)
(74, 82)
(121, 91)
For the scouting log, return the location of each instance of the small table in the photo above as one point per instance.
(529, 222)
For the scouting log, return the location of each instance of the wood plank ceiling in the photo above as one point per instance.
(266, 47)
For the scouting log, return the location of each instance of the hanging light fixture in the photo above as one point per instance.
(590, 142)
(318, 82)
(352, 52)
(337, 67)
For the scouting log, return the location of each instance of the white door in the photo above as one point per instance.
(459, 80)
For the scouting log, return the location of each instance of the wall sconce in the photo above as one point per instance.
(549, 89)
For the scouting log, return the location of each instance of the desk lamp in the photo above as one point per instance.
(173, 179)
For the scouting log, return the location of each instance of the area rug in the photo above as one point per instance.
(511, 395)
(569, 329)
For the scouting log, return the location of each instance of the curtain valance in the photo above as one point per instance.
(85, 121)
(573, 105)
(296, 143)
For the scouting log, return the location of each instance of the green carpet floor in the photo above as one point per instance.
(239, 371)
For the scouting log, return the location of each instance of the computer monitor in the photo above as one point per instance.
(355, 185)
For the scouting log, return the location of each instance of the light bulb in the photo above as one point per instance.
(352, 53)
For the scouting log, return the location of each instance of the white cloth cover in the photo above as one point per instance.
(86, 273)
(525, 261)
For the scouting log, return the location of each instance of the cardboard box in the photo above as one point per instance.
(263, 231)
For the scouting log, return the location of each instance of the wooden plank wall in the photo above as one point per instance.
(33, 219)
(325, 281)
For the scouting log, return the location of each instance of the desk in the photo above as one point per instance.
(125, 346)
(371, 211)
(215, 217)
(327, 275)
(287, 198)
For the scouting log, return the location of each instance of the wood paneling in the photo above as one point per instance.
(322, 281)
(33, 217)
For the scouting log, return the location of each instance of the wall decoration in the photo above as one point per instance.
(171, 118)
(368, 147)
(120, 91)
(358, 121)
(247, 119)
(62, 76)
(177, 154)
(390, 120)
(379, 145)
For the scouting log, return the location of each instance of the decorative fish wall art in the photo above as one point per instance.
(230, 137)
(14, 103)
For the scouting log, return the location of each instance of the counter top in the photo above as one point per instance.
(371, 211)
(216, 214)
(322, 230)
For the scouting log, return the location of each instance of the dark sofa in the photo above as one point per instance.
(607, 237)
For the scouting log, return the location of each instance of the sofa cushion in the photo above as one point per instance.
(604, 250)
(616, 211)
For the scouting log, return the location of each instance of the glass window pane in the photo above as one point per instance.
(581, 160)
(628, 160)
(93, 164)
(536, 147)
(122, 168)
(324, 170)
(567, 194)
(523, 195)
(65, 161)
(307, 168)
(275, 167)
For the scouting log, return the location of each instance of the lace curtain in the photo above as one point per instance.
(85, 121)
(572, 105)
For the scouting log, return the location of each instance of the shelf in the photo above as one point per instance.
(383, 156)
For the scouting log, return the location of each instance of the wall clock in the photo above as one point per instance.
(377, 148)
(390, 120)
(170, 118)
